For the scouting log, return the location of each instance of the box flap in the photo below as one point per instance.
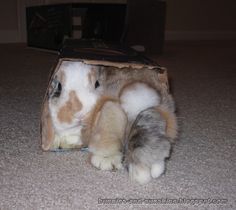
(98, 52)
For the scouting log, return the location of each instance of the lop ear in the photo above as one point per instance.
(46, 127)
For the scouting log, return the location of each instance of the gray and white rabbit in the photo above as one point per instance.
(151, 129)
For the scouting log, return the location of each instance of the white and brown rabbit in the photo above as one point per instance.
(73, 92)
(77, 114)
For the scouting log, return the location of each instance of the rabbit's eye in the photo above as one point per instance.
(56, 89)
(96, 84)
(57, 92)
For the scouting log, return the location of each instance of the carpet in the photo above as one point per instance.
(201, 173)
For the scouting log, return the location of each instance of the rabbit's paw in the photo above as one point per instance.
(67, 141)
(111, 162)
(143, 174)
(139, 173)
(157, 169)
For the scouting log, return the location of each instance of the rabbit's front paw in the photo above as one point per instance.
(67, 141)
(111, 162)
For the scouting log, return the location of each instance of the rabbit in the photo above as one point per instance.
(76, 115)
(73, 92)
(147, 146)
(152, 128)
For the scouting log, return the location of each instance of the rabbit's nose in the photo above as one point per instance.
(67, 112)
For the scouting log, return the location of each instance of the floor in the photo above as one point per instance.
(201, 174)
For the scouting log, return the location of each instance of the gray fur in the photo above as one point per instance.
(147, 143)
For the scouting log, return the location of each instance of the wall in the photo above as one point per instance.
(8, 21)
(186, 19)
(201, 19)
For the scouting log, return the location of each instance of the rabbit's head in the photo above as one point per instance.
(74, 91)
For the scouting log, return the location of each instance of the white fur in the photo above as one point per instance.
(107, 163)
(67, 140)
(143, 174)
(157, 169)
(139, 98)
(139, 173)
(76, 79)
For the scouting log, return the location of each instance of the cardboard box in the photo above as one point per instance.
(119, 65)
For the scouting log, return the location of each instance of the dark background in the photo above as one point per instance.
(185, 19)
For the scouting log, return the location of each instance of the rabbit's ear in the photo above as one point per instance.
(47, 130)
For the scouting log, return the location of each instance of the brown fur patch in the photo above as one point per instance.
(108, 129)
(92, 118)
(72, 106)
(171, 123)
(121, 78)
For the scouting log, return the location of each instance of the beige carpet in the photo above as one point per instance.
(203, 162)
